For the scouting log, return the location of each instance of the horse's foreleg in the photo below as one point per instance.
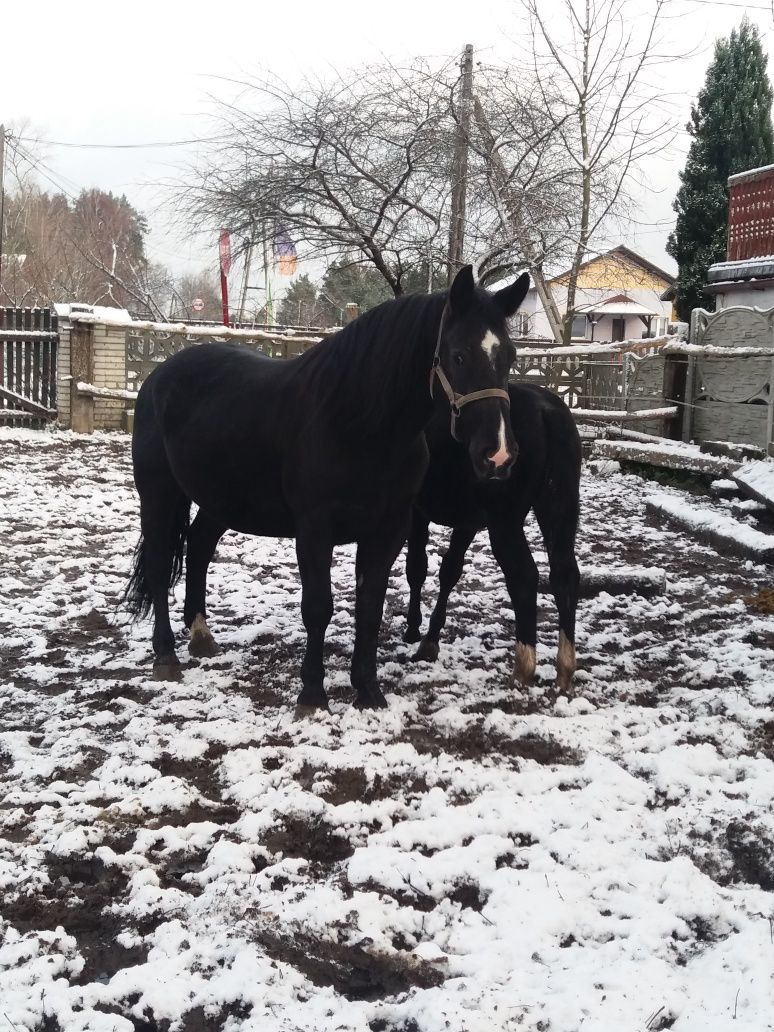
(203, 538)
(452, 566)
(375, 556)
(510, 548)
(416, 574)
(314, 551)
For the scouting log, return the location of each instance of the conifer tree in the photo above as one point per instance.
(731, 132)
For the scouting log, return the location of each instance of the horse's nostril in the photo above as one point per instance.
(502, 458)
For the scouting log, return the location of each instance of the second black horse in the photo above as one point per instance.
(545, 478)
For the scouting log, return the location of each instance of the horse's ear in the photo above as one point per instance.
(462, 290)
(509, 298)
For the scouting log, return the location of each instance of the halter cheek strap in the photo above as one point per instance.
(457, 401)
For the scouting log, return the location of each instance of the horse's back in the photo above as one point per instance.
(212, 415)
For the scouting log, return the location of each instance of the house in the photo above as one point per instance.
(747, 276)
(618, 297)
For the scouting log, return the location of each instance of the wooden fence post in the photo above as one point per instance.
(81, 369)
(352, 311)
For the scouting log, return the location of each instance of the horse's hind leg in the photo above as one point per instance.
(452, 566)
(164, 522)
(510, 548)
(416, 574)
(314, 550)
(203, 538)
(565, 582)
(557, 511)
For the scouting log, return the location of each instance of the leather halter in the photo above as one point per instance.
(458, 401)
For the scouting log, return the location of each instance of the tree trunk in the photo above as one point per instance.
(510, 214)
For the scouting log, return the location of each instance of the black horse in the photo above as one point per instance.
(546, 478)
(327, 448)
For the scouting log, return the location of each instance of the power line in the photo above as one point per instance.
(123, 146)
(731, 3)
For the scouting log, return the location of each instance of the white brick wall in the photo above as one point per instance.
(109, 371)
(62, 371)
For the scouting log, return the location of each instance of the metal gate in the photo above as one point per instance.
(28, 349)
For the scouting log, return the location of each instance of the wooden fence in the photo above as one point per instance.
(28, 363)
(586, 376)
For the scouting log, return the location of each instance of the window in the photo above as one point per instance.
(524, 324)
(579, 326)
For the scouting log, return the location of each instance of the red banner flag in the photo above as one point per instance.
(225, 252)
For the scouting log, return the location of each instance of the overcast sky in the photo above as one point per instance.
(90, 72)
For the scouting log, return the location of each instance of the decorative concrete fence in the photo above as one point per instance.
(104, 356)
(722, 379)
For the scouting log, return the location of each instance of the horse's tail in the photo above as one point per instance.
(138, 597)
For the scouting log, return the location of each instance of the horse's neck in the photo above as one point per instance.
(402, 408)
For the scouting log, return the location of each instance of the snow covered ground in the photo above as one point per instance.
(192, 856)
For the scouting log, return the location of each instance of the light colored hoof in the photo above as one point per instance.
(202, 644)
(524, 664)
(565, 664)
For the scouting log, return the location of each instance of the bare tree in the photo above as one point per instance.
(600, 120)
(192, 286)
(354, 166)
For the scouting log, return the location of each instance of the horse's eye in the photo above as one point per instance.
(459, 358)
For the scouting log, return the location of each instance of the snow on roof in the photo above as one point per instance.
(751, 173)
(614, 306)
(94, 313)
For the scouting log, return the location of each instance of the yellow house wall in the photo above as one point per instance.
(616, 274)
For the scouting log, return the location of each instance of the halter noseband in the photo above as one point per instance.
(457, 401)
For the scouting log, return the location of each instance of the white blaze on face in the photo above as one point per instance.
(502, 455)
(488, 344)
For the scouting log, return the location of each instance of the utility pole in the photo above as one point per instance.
(246, 278)
(459, 171)
(266, 281)
(2, 196)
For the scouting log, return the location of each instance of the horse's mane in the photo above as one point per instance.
(365, 371)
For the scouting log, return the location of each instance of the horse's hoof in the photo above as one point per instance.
(302, 712)
(564, 683)
(565, 664)
(311, 699)
(427, 651)
(412, 635)
(167, 668)
(203, 646)
(524, 664)
(370, 698)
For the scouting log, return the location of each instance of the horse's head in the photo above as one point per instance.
(473, 357)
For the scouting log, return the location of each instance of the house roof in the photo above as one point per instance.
(618, 305)
(626, 254)
(621, 251)
(751, 174)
